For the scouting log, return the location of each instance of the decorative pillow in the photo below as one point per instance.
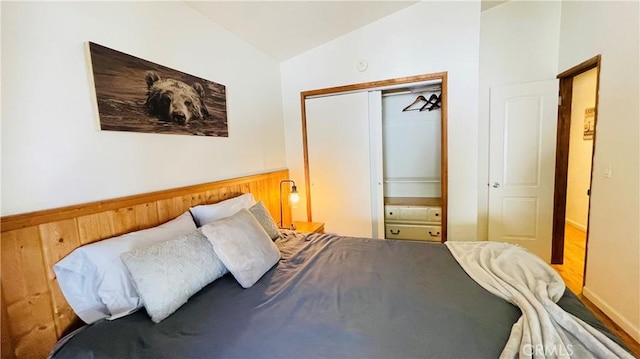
(167, 274)
(264, 218)
(206, 213)
(94, 280)
(243, 246)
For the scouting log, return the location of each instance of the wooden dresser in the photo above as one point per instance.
(413, 218)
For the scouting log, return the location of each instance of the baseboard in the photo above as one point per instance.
(634, 332)
(576, 224)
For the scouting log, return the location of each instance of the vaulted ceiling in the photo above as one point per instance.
(284, 29)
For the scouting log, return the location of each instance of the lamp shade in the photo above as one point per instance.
(294, 197)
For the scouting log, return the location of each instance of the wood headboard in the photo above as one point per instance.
(34, 311)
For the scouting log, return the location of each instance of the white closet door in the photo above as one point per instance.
(377, 168)
(339, 163)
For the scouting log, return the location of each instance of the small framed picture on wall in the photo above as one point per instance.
(589, 123)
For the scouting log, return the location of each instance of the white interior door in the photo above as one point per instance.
(340, 163)
(522, 164)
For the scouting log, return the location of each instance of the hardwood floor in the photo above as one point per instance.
(572, 271)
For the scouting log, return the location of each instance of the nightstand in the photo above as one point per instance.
(309, 227)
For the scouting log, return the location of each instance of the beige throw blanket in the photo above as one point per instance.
(544, 330)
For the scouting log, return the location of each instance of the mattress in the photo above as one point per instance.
(329, 296)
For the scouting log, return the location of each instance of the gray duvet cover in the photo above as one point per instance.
(328, 297)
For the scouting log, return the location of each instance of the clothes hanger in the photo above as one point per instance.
(434, 107)
(418, 99)
(434, 101)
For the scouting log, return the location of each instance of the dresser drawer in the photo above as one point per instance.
(415, 232)
(434, 214)
(412, 214)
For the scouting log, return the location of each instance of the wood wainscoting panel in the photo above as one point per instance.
(25, 292)
(34, 311)
(198, 198)
(57, 240)
(6, 345)
(147, 215)
(123, 220)
(171, 208)
(94, 227)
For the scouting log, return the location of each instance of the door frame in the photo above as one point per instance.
(381, 85)
(562, 154)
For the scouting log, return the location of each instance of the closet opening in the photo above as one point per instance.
(387, 138)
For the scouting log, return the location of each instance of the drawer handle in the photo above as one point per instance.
(391, 213)
(434, 235)
(437, 214)
(396, 232)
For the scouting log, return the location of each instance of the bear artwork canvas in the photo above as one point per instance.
(138, 95)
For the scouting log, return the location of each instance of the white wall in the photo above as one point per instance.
(580, 150)
(53, 152)
(411, 147)
(613, 255)
(425, 38)
(518, 44)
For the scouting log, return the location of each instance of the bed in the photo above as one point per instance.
(328, 296)
(324, 296)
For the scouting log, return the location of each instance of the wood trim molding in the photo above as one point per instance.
(581, 67)
(442, 76)
(373, 84)
(13, 222)
(562, 166)
(444, 159)
(562, 153)
(305, 153)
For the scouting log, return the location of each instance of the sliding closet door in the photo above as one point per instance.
(339, 163)
(377, 167)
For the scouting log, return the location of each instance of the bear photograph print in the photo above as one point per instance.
(137, 95)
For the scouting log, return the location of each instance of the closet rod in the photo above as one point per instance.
(400, 87)
(410, 91)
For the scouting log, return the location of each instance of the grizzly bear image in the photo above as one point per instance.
(174, 101)
(137, 95)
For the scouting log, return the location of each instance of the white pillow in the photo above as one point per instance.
(206, 213)
(264, 218)
(167, 274)
(94, 280)
(243, 246)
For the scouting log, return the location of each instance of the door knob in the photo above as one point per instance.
(495, 185)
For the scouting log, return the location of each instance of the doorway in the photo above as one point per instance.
(577, 118)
